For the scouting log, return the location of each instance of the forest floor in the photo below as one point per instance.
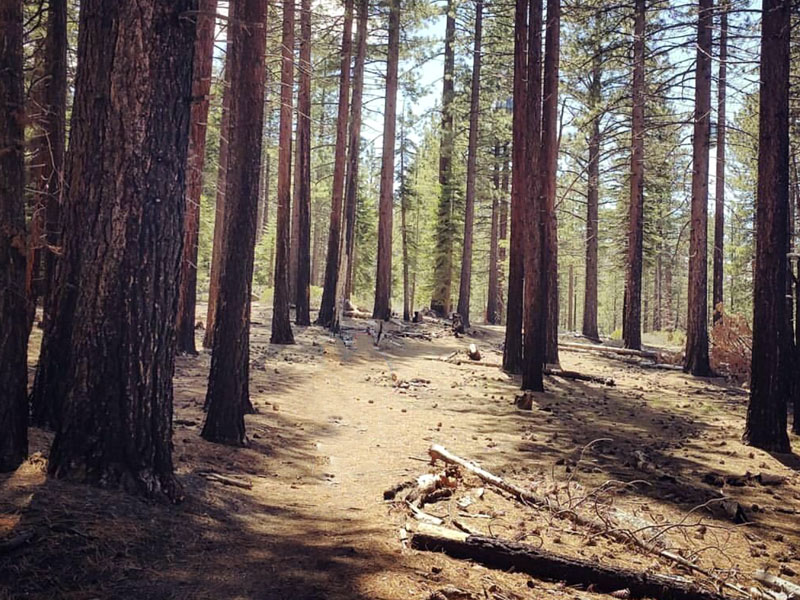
(338, 423)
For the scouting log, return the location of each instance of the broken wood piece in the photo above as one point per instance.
(224, 479)
(506, 554)
(390, 493)
(429, 484)
(422, 516)
(473, 352)
(612, 349)
(579, 376)
(777, 583)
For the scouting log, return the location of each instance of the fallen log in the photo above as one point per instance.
(224, 479)
(579, 376)
(507, 555)
(473, 352)
(777, 583)
(600, 348)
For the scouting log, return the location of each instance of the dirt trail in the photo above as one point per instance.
(338, 422)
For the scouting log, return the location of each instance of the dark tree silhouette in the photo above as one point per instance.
(589, 328)
(108, 357)
(228, 396)
(13, 329)
(771, 369)
(719, 200)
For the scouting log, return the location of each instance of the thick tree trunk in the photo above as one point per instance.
(532, 181)
(382, 308)
(719, 201)
(201, 88)
(771, 367)
(228, 395)
(219, 204)
(301, 248)
(47, 170)
(445, 230)
(512, 349)
(632, 306)
(330, 302)
(465, 284)
(493, 290)
(13, 329)
(589, 328)
(281, 324)
(353, 146)
(108, 356)
(549, 167)
(696, 360)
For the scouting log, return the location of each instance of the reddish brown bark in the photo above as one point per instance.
(696, 359)
(589, 328)
(13, 330)
(719, 200)
(219, 204)
(353, 146)
(301, 248)
(281, 325)
(228, 395)
(493, 290)
(771, 370)
(201, 88)
(382, 309)
(632, 306)
(328, 306)
(108, 354)
(465, 286)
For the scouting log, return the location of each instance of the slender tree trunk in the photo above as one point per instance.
(571, 290)
(302, 197)
(505, 203)
(719, 203)
(353, 146)
(445, 230)
(108, 356)
(696, 360)
(382, 308)
(404, 197)
(493, 291)
(48, 171)
(219, 204)
(465, 284)
(13, 330)
(796, 404)
(532, 180)
(549, 167)
(281, 325)
(512, 349)
(228, 395)
(589, 328)
(201, 88)
(632, 318)
(771, 367)
(328, 307)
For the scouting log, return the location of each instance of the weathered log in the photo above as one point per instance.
(506, 554)
(473, 352)
(579, 376)
(777, 583)
(224, 479)
(621, 351)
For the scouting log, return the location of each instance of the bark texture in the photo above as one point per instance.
(382, 309)
(589, 328)
(201, 88)
(108, 354)
(13, 328)
(771, 366)
(696, 359)
(493, 289)
(228, 397)
(719, 200)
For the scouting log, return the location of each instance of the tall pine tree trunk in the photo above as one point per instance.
(445, 230)
(13, 329)
(493, 291)
(382, 308)
(219, 204)
(696, 359)
(771, 369)
(532, 181)
(549, 167)
(281, 324)
(228, 395)
(353, 146)
(465, 285)
(404, 197)
(632, 306)
(589, 328)
(301, 249)
(47, 171)
(329, 305)
(108, 357)
(201, 88)
(512, 348)
(719, 201)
